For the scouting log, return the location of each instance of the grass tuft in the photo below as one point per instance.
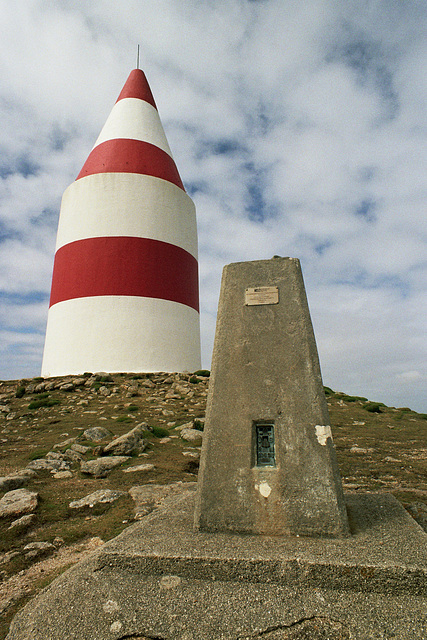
(159, 432)
(43, 402)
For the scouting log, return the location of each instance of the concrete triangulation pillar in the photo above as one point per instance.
(268, 463)
(125, 280)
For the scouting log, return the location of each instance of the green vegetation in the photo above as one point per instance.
(133, 407)
(20, 392)
(373, 407)
(204, 373)
(353, 398)
(38, 453)
(43, 402)
(159, 432)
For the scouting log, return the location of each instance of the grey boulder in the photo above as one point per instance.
(101, 467)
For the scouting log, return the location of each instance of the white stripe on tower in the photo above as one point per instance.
(132, 199)
(135, 119)
(125, 286)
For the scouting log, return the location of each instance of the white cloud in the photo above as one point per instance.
(299, 128)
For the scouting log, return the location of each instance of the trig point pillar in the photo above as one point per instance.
(268, 463)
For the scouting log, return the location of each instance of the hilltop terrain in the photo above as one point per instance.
(61, 441)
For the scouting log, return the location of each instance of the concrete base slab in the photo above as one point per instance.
(161, 579)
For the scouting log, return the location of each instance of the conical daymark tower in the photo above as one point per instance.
(124, 291)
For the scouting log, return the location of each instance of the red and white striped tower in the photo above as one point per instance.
(124, 291)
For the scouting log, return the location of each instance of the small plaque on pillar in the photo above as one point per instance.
(261, 295)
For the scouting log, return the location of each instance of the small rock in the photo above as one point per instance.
(192, 435)
(104, 391)
(361, 450)
(129, 443)
(182, 389)
(18, 502)
(68, 386)
(26, 473)
(96, 434)
(172, 395)
(73, 456)
(101, 376)
(59, 475)
(141, 467)
(149, 384)
(167, 412)
(43, 464)
(191, 454)
(164, 440)
(23, 523)
(7, 557)
(186, 425)
(79, 448)
(9, 483)
(102, 466)
(103, 496)
(54, 455)
(78, 382)
(38, 549)
(65, 443)
(58, 541)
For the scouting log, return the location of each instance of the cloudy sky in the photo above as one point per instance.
(298, 127)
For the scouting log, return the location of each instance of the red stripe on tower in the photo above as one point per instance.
(137, 87)
(131, 156)
(121, 266)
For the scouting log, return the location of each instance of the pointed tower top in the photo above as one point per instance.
(132, 139)
(136, 86)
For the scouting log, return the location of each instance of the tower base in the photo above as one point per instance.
(121, 333)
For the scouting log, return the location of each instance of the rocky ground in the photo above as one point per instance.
(82, 457)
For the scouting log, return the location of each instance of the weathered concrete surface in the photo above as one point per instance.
(265, 370)
(161, 579)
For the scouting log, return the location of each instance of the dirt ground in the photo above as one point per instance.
(378, 448)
